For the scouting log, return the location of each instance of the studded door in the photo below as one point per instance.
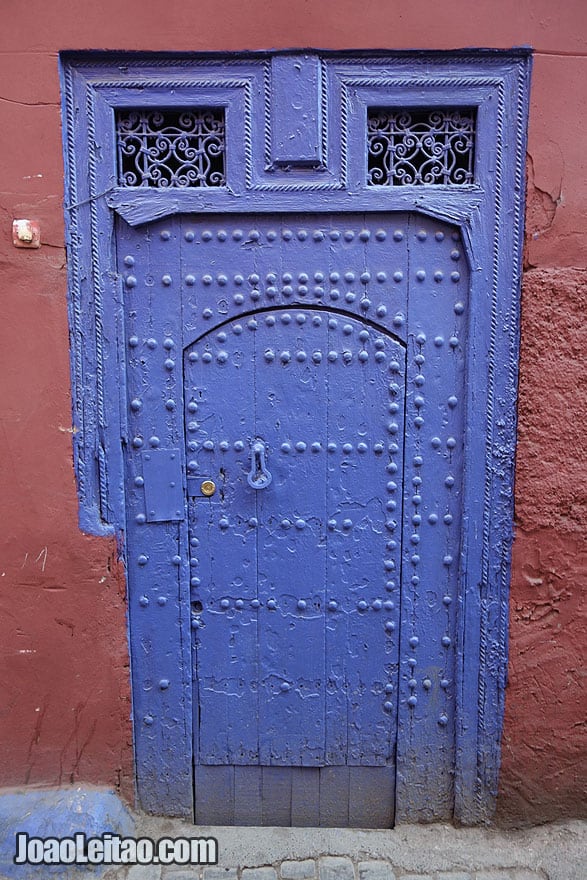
(295, 457)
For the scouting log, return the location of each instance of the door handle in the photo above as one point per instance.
(259, 476)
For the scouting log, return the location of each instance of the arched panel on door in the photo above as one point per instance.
(295, 562)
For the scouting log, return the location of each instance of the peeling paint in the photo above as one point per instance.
(541, 208)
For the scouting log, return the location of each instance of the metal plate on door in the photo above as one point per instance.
(162, 474)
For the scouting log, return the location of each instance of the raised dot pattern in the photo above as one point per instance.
(364, 267)
(366, 288)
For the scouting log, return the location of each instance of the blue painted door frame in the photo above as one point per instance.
(293, 329)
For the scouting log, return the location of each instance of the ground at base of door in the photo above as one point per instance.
(556, 851)
(344, 870)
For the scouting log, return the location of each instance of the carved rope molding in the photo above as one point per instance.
(74, 301)
(99, 311)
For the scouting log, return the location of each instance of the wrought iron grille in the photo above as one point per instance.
(420, 146)
(171, 148)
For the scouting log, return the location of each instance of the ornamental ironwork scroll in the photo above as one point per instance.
(420, 146)
(171, 148)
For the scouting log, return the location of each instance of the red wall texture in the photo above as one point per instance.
(66, 707)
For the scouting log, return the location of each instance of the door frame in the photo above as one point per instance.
(490, 216)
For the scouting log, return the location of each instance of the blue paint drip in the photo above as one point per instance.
(58, 813)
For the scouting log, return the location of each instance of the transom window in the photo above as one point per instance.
(171, 148)
(419, 146)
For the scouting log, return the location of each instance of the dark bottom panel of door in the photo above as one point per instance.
(355, 797)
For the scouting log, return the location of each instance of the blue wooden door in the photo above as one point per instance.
(306, 494)
(295, 277)
(290, 413)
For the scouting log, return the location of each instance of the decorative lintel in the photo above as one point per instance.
(295, 110)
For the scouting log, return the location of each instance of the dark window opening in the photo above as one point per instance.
(420, 146)
(171, 148)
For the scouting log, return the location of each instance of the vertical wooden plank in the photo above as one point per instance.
(291, 421)
(365, 423)
(276, 796)
(438, 314)
(334, 797)
(214, 795)
(371, 797)
(156, 554)
(219, 418)
(248, 795)
(305, 797)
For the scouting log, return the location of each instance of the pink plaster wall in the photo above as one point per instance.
(64, 657)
